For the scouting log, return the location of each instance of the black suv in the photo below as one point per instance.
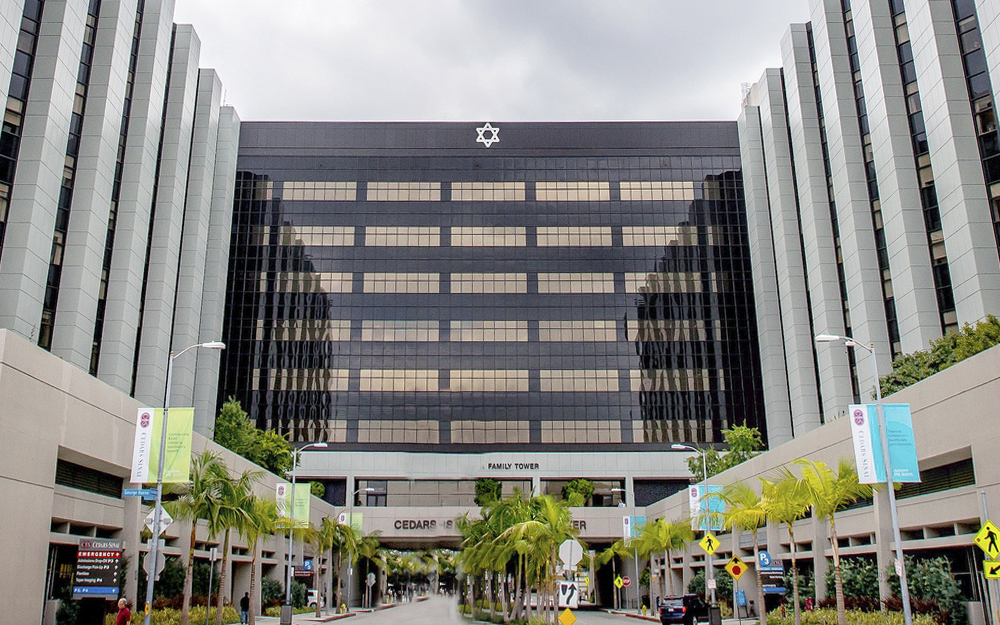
(684, 609)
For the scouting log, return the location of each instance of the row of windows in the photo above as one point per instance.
(581, 431)
(489, 380)
(573, 191)
(488, 283)
(398, 431)
(430, 236)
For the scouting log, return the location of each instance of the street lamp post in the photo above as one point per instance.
(290, 507)
(350, 523)
(154, 543)
(901, 566)
(709, 569)
(635, 553)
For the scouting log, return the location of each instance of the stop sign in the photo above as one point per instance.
(626, 581)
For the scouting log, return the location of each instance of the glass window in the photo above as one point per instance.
(579, 381)
(574, 237)
(400, 331)
(305, 379)
(577, 331)
(489, 331)
(404, 191)
(660, 236)
(402, 236)
(488, 237)
(572, 191)
(319, 191)
(308, 330)
(402, 283)
(648, 380)
(482, 432)
(662, 282)
(487, 191)
(581, 432)
(300, 282)
(398, 431)
(315, 236)
(576, 283)
(652, 191)
(489, 381)
(485, 283)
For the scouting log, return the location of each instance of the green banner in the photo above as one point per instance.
(300, 507)
(177, 465)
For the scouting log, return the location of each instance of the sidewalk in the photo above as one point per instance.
(310, 618)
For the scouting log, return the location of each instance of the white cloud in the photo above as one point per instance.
(509, 60)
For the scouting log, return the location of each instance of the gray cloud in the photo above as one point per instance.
(507, 60)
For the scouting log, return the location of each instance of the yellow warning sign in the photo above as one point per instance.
(619, 582)
(709, 543)
(736, 567)
(988, 539)
(567, 617)
(991, 569)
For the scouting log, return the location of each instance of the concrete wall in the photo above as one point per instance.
(51, 410)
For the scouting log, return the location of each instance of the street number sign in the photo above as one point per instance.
(736, 567)
(988, 539)
(991, 569)
(709, 543)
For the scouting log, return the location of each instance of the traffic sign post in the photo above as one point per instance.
(570, 552)
(619, 582)
(567, 617)
(161, 559)
(736, 567)
(988, 539)
(709, 543)
(569, 595)
(626, 582)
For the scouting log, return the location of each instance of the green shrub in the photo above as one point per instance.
(932, 581)
(724, 585)
(170, 616)
(271, 591)
(860, 577)
(854, 617)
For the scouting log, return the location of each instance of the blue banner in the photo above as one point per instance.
(902, 446)
(706, 512)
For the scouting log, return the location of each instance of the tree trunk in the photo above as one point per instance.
(222, 579)
(795, 579)
(491, 595)
(838, 581)
(761, 606)
(253, 585)
(340, 564)
(189, 579)
(665, 574)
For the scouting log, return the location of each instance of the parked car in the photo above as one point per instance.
(313, 596)
(683, 609)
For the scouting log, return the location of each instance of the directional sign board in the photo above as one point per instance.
(567, 617)
(709, 543)
(991, 569)
(145, 493)
(97, 565)
(988, 539)
(736, 567)
(619, 582)
(569, 595)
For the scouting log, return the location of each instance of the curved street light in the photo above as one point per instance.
(709, 569)
(154, 543)
(291, 515)
(901, 563)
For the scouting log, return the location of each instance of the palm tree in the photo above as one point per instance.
(230, 515)
(198, 499)
(323, 541)
(345, 540)
(261, 518)
(664, 536)
(786, 500)
(745, 510)
(618, 548)
(368, 546)
(830, 491)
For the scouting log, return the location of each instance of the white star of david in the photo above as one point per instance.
(493, 138)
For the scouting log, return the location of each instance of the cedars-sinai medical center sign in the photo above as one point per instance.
(146, 449)
(868, 443)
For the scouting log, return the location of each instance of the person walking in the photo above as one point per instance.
(124, 614)
(245, 608)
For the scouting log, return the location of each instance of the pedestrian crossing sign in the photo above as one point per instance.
(619, 582)
(709, 543)
(988, 539)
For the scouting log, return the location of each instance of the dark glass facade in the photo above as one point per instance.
(419, 286)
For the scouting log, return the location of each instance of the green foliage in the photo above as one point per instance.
(644, 579)
(317, 489)
(860, 577)
(488, 491)
(944, 352)
(300, 594)
(744, 443)
(932, 580)
(271, 592)
(234, 431)
(854, 617)
(723, 589)
(201, 575)
(170, 616)
(807, 585)
(581, 486)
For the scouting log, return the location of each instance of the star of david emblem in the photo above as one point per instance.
(494, 135)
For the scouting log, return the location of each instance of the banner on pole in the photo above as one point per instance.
(146, 448)
(300, 507)
(868, 443)
(706, 512)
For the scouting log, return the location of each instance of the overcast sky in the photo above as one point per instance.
(494, 60)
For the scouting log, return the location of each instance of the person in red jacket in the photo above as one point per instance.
(124, 614)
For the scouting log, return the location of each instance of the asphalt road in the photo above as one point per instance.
(441, 611)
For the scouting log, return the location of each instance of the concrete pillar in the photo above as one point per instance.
(86, 236)
(24, 259)
(161, 282)
(10, 25)
(121, 318)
